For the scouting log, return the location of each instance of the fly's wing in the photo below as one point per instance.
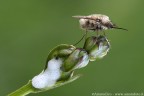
(79, 17)
(84, 17)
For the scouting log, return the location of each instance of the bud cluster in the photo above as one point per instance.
(64, 59)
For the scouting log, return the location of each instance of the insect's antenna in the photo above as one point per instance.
(81, 38)
(120, 28)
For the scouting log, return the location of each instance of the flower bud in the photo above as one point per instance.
(77, 59)
(52, 72)
(97, 47)
(61, 51)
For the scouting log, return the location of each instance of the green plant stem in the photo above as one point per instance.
(23, 91)
(28, 88)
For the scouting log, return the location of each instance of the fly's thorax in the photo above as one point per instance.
(95, 22)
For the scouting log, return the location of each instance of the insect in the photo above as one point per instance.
(96, 22)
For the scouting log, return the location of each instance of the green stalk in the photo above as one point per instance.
(23, 91)
(28, 88)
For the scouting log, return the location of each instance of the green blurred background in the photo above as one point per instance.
(29, 29)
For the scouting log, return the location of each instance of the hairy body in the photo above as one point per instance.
(96, 22)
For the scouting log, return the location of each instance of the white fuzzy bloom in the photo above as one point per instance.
(48, 77)
(54, 64)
